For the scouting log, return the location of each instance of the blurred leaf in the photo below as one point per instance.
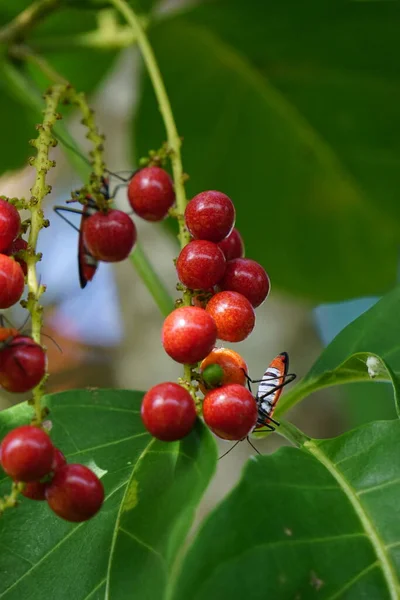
(315, 225)
(18, 127)
(103, 429)
(320, 522)
(366, 350)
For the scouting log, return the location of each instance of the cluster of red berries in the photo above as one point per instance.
(72, 491)
(110, 236)
(12, 271)
(225, 290)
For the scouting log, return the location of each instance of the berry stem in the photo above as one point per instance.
(174, 141)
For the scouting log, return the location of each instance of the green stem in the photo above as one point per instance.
(292, 434)
(25, 21)
(174, 141)
(151, 280)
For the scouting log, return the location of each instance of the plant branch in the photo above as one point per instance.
(25, 21)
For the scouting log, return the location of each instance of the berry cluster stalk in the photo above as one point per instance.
(174, 141)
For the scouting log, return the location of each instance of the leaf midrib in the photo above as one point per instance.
(376, 541)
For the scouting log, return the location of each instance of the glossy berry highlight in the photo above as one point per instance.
(109, 236)
(75, 494)
(26, 453)
(11, 281)
(210, 216)
(232, 246)
(233, 315)
(168, 412)
(22, 364)
(230, 411)
(233, 368)
(200, 265)
(189, 333)
(151, 193)
(10, 223)
(247, 277)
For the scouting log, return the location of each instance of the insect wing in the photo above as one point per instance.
(271, 385)
(86, 262)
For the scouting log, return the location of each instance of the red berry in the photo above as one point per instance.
(234, 367)
(36, 490)
(26, 453)
(230, 411)
(22, 364)
(210, 216)
(189, 334)
(200, 265)
(168, 412)
(75, 493)
(11, 281)
(151, 194)
(233, 315)
(247, 277)
(16, 246)
(10, 223)
(232, 246)
(109, 236)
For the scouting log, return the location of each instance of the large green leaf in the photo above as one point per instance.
(366, 350)
(43, 556)
(305, 211)
(321, 522)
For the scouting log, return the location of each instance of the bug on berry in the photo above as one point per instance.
(269, 391)
(87, 263)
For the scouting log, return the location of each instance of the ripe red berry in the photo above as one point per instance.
(233, 314)
(36, 490)
(210, 216)
(200, 265)
(10, 223)
(22, 364)
(151, 194)
(230, 411)
(188, 334)
(11, 281)
(233, 367)
(232, 246)
(247, 277)
(16, 246)
(75, 493)
(168, 412)
(26, 453)
(109, 236)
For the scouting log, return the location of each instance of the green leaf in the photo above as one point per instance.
(305, 214)
(314, 523)
(366, 350)
(103, 429)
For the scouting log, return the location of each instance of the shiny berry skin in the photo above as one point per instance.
(22, 364)
(210, 216)
(26, 453)
(234, 367)
(233, 315)
(109, 236)
(16, 246)
(11, 281)
(247, 277)
(168, 412)
(75, 493)
(36, 490)
(151, 193)
(188, 334)
(230, 411)
(232, 246)
(200, 265)
(10, 223)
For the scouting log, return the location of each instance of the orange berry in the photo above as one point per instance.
(233, 366)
